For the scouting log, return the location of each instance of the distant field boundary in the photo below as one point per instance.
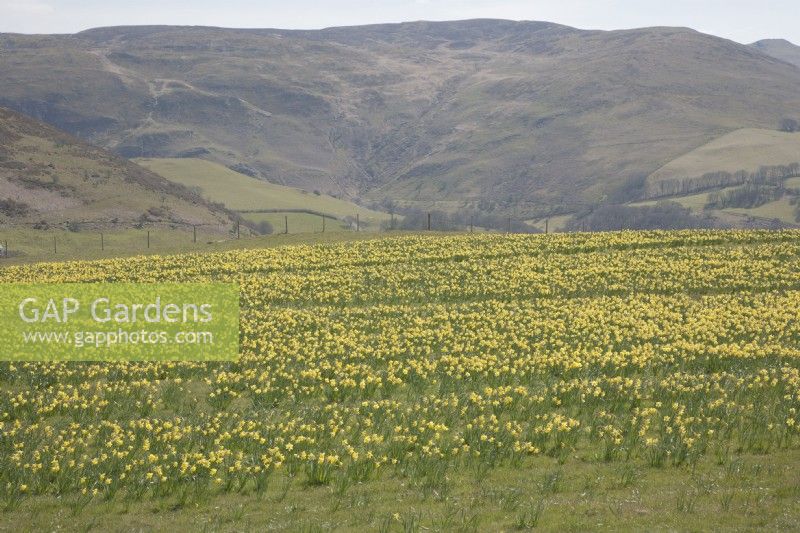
(291, 210)
(765, 220)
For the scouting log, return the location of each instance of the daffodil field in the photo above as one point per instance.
(432, 363)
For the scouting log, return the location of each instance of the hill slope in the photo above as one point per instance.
(745, 149)
(781, 49)
(244, 193)
(49, 176)
(529, 115)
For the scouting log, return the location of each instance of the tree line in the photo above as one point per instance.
(765, 175)
(662, 215)
(748, 196)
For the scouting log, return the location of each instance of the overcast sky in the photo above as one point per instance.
(741, 20)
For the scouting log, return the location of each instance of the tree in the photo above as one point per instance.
(790, 125)
(264, 228)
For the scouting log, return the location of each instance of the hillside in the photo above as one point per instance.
(50, 178)
(745, 149)
(529, 116)
(240, 192)
(781, 49)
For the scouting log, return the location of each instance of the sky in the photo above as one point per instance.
(744, 21)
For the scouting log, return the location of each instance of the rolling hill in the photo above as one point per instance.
(260, 199)
(530, 117)
(745, 149)
(50, 178)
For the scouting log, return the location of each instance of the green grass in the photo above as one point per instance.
(297, 222)
(749, 492)
(780, 209)
(30, 246)
(792, 183)
(243, 193)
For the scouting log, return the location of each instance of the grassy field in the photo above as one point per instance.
(298, 222)
(616, 382)
(243, 193)
(744, 149)
(792, 183)
(781, 209)
(30, 246)
(751, 493)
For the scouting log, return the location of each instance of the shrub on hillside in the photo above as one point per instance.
(790, 125)
(12, 208)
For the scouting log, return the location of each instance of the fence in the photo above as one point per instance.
(94, 237)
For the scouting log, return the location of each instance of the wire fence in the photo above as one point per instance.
(86, 238)
(94, 237)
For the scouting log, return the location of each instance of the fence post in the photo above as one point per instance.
(546, 225)
(5, 249)
(55, 246)
(392, 226)
(471, 220)
(148, 239)
(429, 221)
(286, 224)
(238, 235)
(323, 223)
(102, 242)
(358, 223)
(194, 229)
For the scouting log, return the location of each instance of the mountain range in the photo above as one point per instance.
(532, 118)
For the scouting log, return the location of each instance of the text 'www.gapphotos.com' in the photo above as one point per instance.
(97, 339)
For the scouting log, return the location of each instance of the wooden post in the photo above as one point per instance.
(358, 223)
(429, 221)
(194, 229)
(148, 239)
(471, 227)
(5, 249)
(286, 224)
(546, 225)
(392, 226)
(102, 242)
(323, 223)
(55, 246)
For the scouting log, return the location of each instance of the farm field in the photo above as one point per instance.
(243, 193)
(297, 222)
(745, 149)
(613, 381)
(781, 209)
(31, 246)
